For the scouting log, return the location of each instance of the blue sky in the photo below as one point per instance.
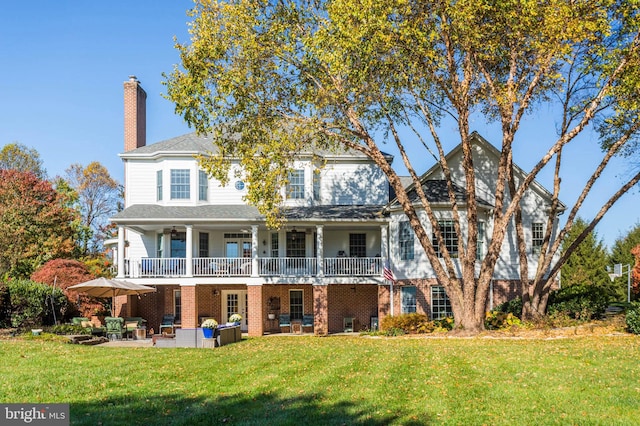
(64, 62)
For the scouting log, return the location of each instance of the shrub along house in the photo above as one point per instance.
(209, 254)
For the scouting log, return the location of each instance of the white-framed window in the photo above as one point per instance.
(295, 187)
(405, 240)
(450, 238)
(480, 246)
(180, 184)
(358, 245)
(537, 236)
(408, 299)
(440, 304)
(275, 245)
(203, 185)
(296, 304)
(316, 185)
(177, 306)
(159, 245)
(159, 185)
(296, 246)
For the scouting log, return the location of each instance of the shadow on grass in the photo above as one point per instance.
(263, 409)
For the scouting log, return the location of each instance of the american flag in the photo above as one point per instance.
(388, 273)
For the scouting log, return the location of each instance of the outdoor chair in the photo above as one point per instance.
(87, 324)
(285, 321)
(307, 322)
(115, 327)
(166, 326)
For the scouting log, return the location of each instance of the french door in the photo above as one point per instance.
(235, 302)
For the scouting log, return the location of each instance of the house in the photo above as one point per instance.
(210, 255)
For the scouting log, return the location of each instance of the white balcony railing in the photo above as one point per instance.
(242, 267)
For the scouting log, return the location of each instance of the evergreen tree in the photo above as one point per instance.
(587, 265)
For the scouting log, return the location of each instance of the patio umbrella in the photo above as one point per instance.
(104, 287)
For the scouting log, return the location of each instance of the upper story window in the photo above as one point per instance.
(159, 185)
(180, 184)
(450, 238)
(358, 245)
(295, 187)
(537, 236)
(405, 239)
(203, 185)
(316, 185)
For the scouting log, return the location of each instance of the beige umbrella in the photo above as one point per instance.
(104, 287)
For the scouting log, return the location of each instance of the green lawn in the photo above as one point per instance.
(337, 380)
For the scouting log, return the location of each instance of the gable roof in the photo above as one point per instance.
(441, 195)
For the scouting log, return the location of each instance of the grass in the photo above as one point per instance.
(337, 380)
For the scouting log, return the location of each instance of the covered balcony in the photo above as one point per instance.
(185, 251)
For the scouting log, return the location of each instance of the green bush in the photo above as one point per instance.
(513, 306)
(446, 324)
(633, 318)
(31, 304)
(581, 302)
(5, 306)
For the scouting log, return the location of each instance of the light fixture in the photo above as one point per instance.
(264, 242)
(173, 231)
(215, 292)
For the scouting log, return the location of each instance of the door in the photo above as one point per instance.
(235, 302)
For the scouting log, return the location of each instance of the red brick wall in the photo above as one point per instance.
(189, 300)
(135, 121)
(320, 310)
(358, 301)
(256, 314)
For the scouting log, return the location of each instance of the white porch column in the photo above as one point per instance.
(384, 243)
(254, 250)
(121, 271)
(189, 266)
(320, 244)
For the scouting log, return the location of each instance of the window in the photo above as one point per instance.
(358, 245)
(440, 305)
(450, 238)
(203, 186)
(480, 246)
(406, 240)
(179, 244)
(295, 187)
(159, 245)
(274, 245)
(408, 299)
(203, 244)
(296, 306)
(180, 184)
(295, 244)
(177, 306)
(159, 185)
(316, 185)
(537, 233)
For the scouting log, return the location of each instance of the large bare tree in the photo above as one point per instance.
(269, 78)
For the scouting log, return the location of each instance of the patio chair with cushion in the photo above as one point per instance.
(166, 326)
(285, 321)
(307, 322)
(115, 327)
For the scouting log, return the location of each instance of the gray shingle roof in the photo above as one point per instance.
(152, 212)
(436, 192)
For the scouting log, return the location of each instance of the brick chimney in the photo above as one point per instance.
(135, 114)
